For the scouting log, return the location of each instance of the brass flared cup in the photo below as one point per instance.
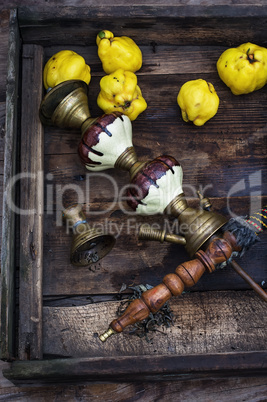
(88, 245)
(66, 106)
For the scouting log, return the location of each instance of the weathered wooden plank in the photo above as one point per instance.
(210, 322)
(8, 215)
(216, 388)
(239, 177)
(1, 187)
(223, 389)
(31, 214)
(86, 3)
(2, 129)
(132, 368)
(147, 368)
(176, 10)
(157, 59)
(4, 32)
(180, 24)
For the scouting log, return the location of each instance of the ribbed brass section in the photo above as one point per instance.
(107, 334)
(88, 123)
(177, 206)
(127, 159)
(198, 226)
(135, 168)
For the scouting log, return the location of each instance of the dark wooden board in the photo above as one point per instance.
(202, 25)
(4, 33)
(2, 131)
(229, 150)
(246, 388)
(133, 368)
(157, 59)
(31, 222)
(7, 344)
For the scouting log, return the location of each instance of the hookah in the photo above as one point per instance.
(155, 188)
(106, 142)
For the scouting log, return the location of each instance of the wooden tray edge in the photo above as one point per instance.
(8, 217)
(136, 367)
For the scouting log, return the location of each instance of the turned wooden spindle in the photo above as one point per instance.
(186, 275)
(246, 231)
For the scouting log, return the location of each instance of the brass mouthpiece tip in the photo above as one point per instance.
(106, 335)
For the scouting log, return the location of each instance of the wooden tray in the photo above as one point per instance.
(220, 325)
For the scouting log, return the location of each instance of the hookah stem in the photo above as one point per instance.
(186, 275)
(249, 280)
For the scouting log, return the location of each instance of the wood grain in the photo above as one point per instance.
(222, 389)
(214, 322)
(31, 219)
(8, 215)
(4, 34)
(239, 389)
(202, 25)
(6, 4)
(157, 59)
(2, 129)
(134, 369)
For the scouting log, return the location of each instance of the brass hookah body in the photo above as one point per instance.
(106, 142)
(155, 188)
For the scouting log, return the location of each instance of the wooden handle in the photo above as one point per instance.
(185, 276)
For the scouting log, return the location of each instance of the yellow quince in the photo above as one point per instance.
(198, 101)
(63, 66)
(244, 68)
(120, 93)
(118, 52)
